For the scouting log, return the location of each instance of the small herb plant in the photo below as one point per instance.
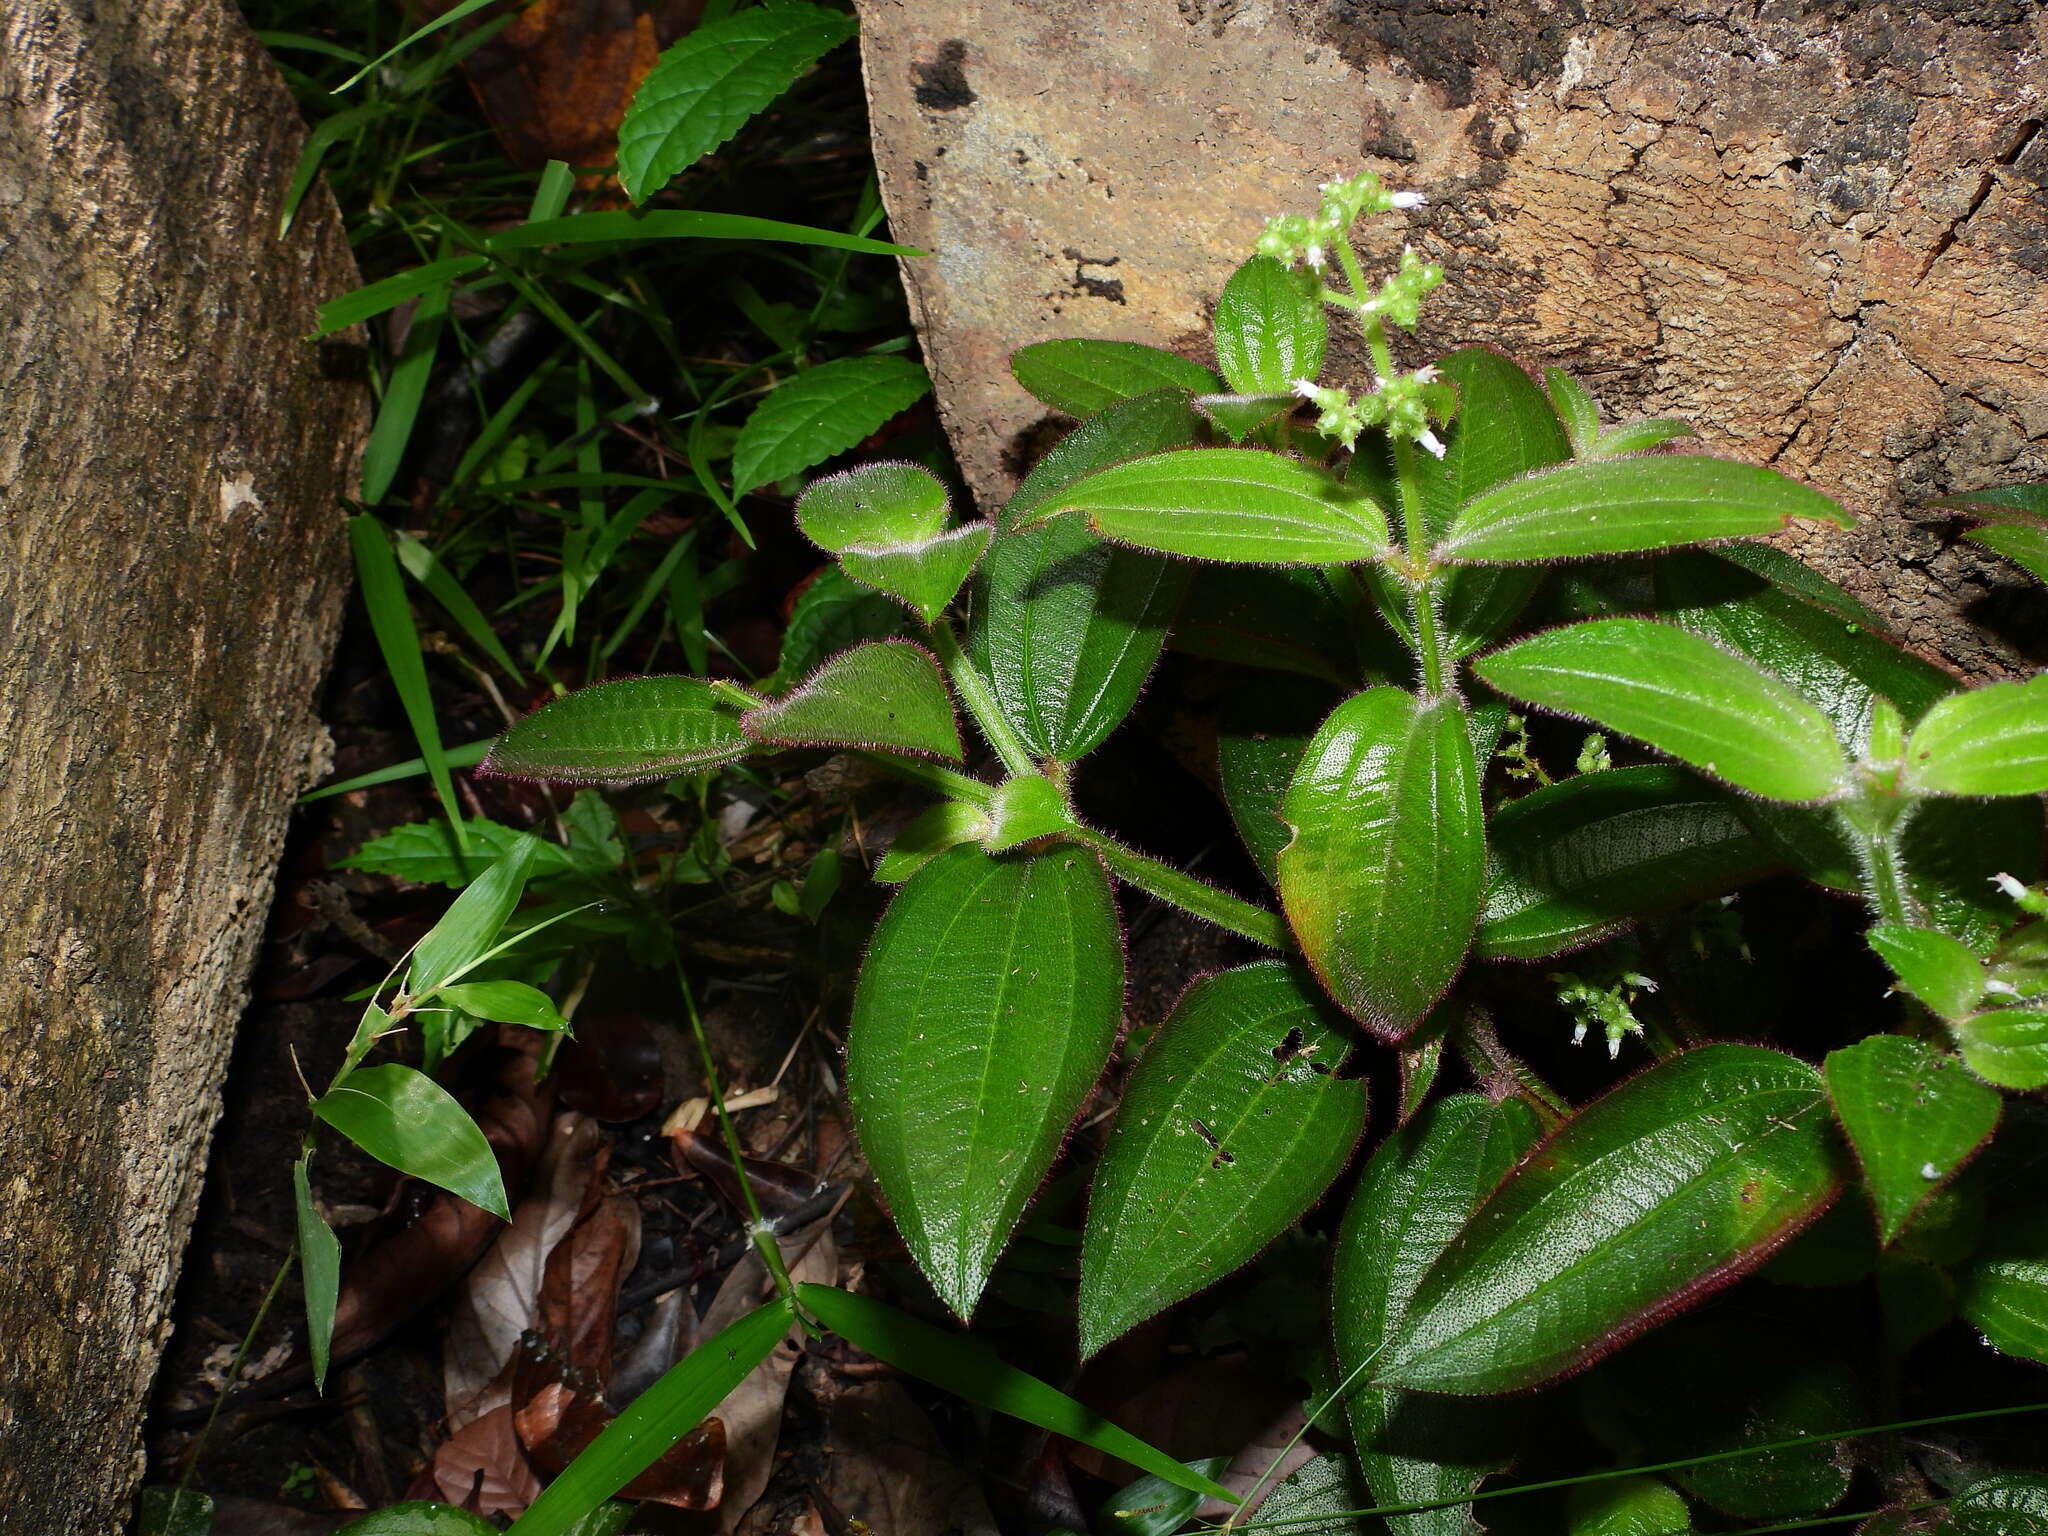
(1438, 566)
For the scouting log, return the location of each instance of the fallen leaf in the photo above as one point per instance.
(886, 1468)
(579, 1295)
(1268, 1457)
(669, 1333)
(484, 1461)
(777, 1186)
(612, 1069)
(559, 1422)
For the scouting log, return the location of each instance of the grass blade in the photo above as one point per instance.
(685, 224)
(465, 756)
(399, 641)
(424, 567)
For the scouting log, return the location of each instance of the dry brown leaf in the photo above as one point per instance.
(559, 1422)
(887, 1468)
(670, 1333)
(485, 1458)
(503, 1291)
(579, 1297)
(1202, 1410)
(1273, 1449)
(778, 1187)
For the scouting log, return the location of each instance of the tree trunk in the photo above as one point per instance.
(1818, 231)
(171, 453)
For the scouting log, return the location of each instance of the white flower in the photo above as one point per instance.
(1408, 199)
(1306, 388)
(1314, 257)
(1432, 442)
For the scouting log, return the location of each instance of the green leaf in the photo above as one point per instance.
(1618, 506)
(1575, 408)
(1238, 505)
(409, 1122)
(472, 922)
(833, 613)
(1237, 417)
(1626, 1506)
(1264, 726)
(968, 1368)
(2003, 1291)
(945, 825)
(424, 852)
(373, 299)
(2006, 1504)
(821, 412)
(1082, 378)
(1382, 880)
(1151, 1506)
(1026, 806)
(1913, 1117)
(1279, 617)
(398, 641)
(319, 1270)
(623, 732)
(1417, 1192)
(1988, 741)
(619, 225)
(174, 1512)
(1232, 1126)
(887, 695)
(426, 568)
(1999, 501)
(2023, 544)
(1270, 328)
(1578, 859)
(419, 1517)
(656, 1420)
(1826, 654)
(2006, 1046)
(1636, 436)
(1676, 1182)
(1935, 968)
(1065, 627)
(987, 1007)
(504, 1002)
(469, 755)
(1683, 695)
(1316, 1499)
(1505, 428)
(924, 576)
(706, 86)
(880, 506)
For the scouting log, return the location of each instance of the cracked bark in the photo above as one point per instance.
(171, 454)
(1818, 229)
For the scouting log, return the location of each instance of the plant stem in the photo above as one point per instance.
(758, 1229)
(981, 702)
(931, 776)
(1480, 1045)
(1428, 622)
(1874, 824)
(1193, 896)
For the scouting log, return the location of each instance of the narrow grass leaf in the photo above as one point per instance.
(969, 1369)
(319, 1270)
(623, 732)
(404, 388)
(468, 755)
(399, 643)
(683, 224)
(821, 412)
(424, 567)
(360, 304)
(705, 87)
(448, 18)
(407, 1121)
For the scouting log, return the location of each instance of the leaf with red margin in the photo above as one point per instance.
(886, 695)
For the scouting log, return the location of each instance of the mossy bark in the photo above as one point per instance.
(1814, 229)
(172, 451)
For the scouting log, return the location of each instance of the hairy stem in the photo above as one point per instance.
(940, 781)
(1194, 896)
(1430, 647)
(981, 701)
(1875, 824)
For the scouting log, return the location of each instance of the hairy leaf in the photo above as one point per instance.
(1270, 328)
(820, 412)
(887, 695)
(1382, 880)
(1913, 1117)
(1232, 1126)
(623, 732)
(1083, 378)
(1988, 741)
(1667, 1186)
(706, 86)
(1939, 970)
(1577, 859)
(1282, 618)
(926, 575)
(1620, 506)
(1066, 627)
(1266, 723)
(881, 505)
(409, 1122)
(1238, 505)
(833, 613)
(2006, 1046)
(987, 1007)
(2003, 1291)
(1627, 1506)
(945, 825)
(2006, 1504)
(1683, 695)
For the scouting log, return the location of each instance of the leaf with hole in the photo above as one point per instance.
(1382, 879)
(1575, 860)
(623, 732)
(1065, 627)
(1271, 328)
(1657, 1193)
(1683, 695)
(1083, 378)
(1939, 970)
(887, 695)
(706, 86)
(1417, 1193)
(820, 412)
(986, 1010)
(1238, 505)
(1234, 1123)
(1620, 506)
(1913, 1117)
(1989, 741)
(407, 1121)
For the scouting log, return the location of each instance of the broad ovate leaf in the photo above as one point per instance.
(1083, 378)
(945, 825)
(1065, 627)
(1666, 1187)
(924, 576)
(407, 1121)
(1913, 1116)
(1232, 1126)
(1264, 726)
(887, 695)
(623, 732)
(832, 613)
(1988, 741)
(705, 87)
(1575, 860)
(820, 412)
(874, 505)
(1270, 328)
(1236, 505)
(2006, 1504)
(1382, 878)
(1625, 505)
(1682, 694)
(1627, 1506)
(985, 1012)
(1417, 1193)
